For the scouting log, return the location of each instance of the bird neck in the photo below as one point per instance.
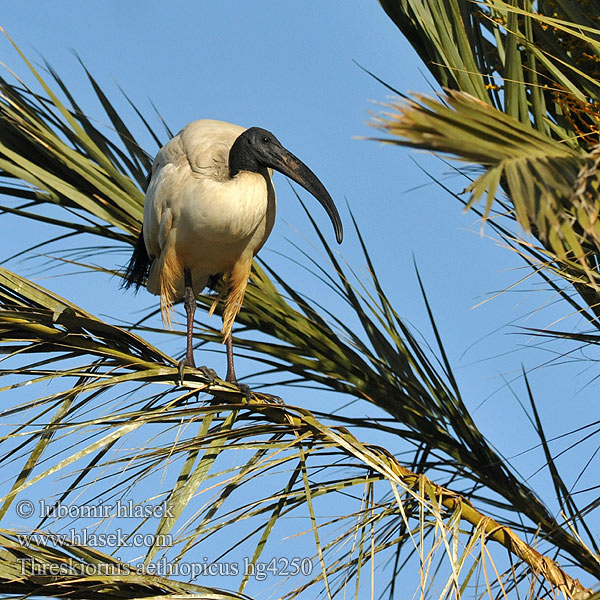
(242, 158)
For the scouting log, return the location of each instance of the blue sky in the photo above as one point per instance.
(290, 67)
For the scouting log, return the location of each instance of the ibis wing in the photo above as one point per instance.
(161, 196)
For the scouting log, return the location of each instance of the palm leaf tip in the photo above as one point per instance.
(537, 173)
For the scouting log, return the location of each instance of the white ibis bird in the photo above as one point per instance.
(209, 208)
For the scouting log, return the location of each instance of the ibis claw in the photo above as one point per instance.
(207, 372)
(272, 398)
(245, 389)
(248, 393)
(180, 367)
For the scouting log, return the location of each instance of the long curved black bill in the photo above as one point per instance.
(291, 166)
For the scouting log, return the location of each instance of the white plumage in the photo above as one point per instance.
(195, 215)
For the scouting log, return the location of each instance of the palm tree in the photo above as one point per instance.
(448, 514)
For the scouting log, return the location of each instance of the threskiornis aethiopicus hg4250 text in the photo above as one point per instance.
(210, 206)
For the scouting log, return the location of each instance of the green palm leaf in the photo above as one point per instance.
(538, 173)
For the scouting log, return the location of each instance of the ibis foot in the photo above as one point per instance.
(244, 388)
(272, 398)
(207, 372)
(248, 393)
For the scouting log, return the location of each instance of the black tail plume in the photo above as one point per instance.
(137, 270)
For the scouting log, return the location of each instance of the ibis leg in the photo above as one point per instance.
(189, 300)
(231, 378)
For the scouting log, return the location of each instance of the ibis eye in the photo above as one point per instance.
(265, 139)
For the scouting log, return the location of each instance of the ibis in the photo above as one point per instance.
(209, 208)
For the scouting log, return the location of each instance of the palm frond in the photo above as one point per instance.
(53, 155)
(539, 174)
